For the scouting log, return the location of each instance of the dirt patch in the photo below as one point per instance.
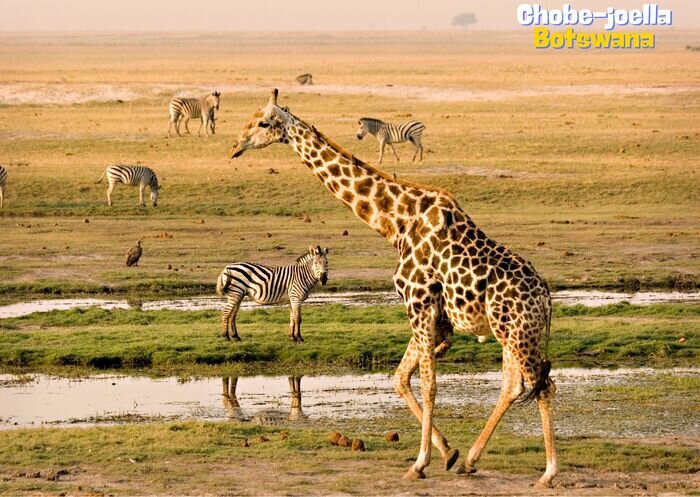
(357, 475)
(481, 171)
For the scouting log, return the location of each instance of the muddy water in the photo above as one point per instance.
(587, 298)
(591, 402)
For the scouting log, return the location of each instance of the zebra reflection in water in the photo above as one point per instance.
(265, 416)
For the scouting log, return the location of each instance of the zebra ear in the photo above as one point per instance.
(325, 251)
(312, 250)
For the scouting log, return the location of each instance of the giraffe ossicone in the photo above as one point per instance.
(450, 275)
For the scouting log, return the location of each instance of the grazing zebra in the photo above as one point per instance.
(187, 108)
(3, 180)
(388, 134)
(271, 285)
(305, 79)
(132, 175)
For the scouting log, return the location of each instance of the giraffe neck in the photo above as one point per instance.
(372, 196)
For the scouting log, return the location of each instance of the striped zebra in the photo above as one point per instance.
(132, 175)
(3, 180)
(271, 285)
(183, 109)
(388, 134)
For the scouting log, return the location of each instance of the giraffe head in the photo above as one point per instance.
(263, 128)
(319, 263)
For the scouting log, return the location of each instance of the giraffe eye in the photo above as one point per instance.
(264, 124)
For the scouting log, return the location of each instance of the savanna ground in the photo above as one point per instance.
(583, 162)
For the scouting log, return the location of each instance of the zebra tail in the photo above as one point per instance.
(103, 175)
(222, 283)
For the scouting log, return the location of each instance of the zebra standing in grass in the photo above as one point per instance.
(187, 108)
(388, 134)
(271, 285)
(132, 175)
(3, 180)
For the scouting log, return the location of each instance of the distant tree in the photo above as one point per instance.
(464, 20)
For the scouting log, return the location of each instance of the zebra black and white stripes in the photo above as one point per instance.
(388, 134)
(132, 175)
(271, 285)
(184, 109)
(3, 180)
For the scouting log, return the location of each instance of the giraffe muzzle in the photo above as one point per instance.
(236, 151)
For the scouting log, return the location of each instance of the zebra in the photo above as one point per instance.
(187, 108)
(132, 175)
(3, 180)
(388, 134)
(271, 285)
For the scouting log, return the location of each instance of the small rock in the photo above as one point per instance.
(244, 443)
(306, 218)
(261, 439)
(170, 266)
(272, 171)
(199, 221)
(622, 150)
(269, 235)
(569, 253)
(358, 445)
(345, 233)
(334, 437)
(344, 441)
(86, 221)
(391, 436)
(278, 247)
(540, 244)
(284, 435)
(682, 340)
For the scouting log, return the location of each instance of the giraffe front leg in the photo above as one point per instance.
(402, 386)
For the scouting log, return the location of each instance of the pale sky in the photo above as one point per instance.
(289, 15)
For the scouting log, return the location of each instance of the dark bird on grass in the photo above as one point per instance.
(134, 254)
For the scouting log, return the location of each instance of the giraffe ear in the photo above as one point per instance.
(273, 97)
(281, 114)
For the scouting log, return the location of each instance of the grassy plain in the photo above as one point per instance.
(598, 189)
(174, 342)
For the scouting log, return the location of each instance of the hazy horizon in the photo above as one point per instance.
(301, 15)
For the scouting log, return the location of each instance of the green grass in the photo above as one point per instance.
(336, 336)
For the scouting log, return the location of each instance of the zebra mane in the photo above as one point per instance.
(359, 163)
(372, 120)
(303, 258)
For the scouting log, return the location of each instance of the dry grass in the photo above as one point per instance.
(598, 189)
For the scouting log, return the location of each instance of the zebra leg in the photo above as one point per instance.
(228, 319)
(295, 323)
(395, 154)
(381, 151)
(110, 189)
(142, 187)
(177, 126)
(419, 148)
(2, 195)
(201, 122)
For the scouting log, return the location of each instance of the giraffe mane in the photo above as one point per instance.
(358, 162)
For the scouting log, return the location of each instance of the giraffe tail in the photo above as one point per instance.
(543, 381)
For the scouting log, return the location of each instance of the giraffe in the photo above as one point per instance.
(450, 276)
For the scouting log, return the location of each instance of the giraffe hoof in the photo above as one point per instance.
(451, 459)
(464, 469)
(543, 484)
(414, 474)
